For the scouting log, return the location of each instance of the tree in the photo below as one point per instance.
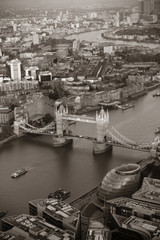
(48, 118)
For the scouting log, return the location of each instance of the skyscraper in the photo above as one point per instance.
(156, 7)
(141, 6)
(35, 38)
(147, 7)
(15, 69)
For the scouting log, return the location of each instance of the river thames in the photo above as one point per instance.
(73, 167)
(95, 36)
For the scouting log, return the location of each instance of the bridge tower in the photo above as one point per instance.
(17, 123)
(59, 121)
(102, 121)
(61, 127)
(155, 148)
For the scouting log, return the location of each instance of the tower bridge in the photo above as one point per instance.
(106, 135)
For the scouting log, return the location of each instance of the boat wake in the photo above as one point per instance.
(29, 168)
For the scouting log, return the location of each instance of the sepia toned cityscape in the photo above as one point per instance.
(80, 120)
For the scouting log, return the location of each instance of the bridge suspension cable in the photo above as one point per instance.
(45, 130)
(30, 126)
(123, 138)
(116, 139)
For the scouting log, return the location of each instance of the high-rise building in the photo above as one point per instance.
(147, 7)
(45, 76)
(15, 69)
(14, 28)
(141, 6)
(35, 38)
(31, 72)
(156, 7)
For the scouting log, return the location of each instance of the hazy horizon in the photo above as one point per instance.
(65, 3)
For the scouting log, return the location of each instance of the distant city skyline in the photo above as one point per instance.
(65, 3)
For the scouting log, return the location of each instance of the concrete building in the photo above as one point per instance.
(141, 6)
(15, 69)
(32, 227)
(58, 213)
(131, 207)
(35, 38)
(6, 115)
(45, 76)
(14, 27)
(156, 7)
(31, 72)
(96, 231)
(146, 229)
(62, 47)
(147, 7)
(149, 191)
(11, 86)
(94, 98)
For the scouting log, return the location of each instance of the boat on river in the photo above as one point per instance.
(18, 173)
(2, 214)
(156, 94)
(157, 130)
(127, 106)
(60, 194)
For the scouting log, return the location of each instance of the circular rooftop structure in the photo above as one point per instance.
(120, 181)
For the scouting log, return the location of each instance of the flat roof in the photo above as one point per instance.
(35, 225)
(149, 192)
(58, 210)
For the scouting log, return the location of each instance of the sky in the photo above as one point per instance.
(65, 3)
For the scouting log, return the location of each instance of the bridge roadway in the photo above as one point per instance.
(45, 131)
(79, 118)
(108, 104)
(138, 147)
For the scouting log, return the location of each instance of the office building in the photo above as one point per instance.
(140, 228)
(147, 7)
(58, 213)
(156, 7)
(32, 227)
(6, 115)
(15, 69)
(131, 207)
(141, 6)
(45, 76)
(120, 181)
(35, 38)
(31, 72)
(149, 192)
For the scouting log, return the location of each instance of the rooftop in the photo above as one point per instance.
(149, 192)
(58, 209)
(138, 225)
(36, 226)
(135, 205)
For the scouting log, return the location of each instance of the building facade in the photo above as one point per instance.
(6, 115)
(15, 69)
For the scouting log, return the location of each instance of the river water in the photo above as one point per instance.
(73, 167)
(95, 36)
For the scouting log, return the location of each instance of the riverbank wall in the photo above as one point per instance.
(128, 40)
(84, 199)
(8, 139)
(152, 87)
